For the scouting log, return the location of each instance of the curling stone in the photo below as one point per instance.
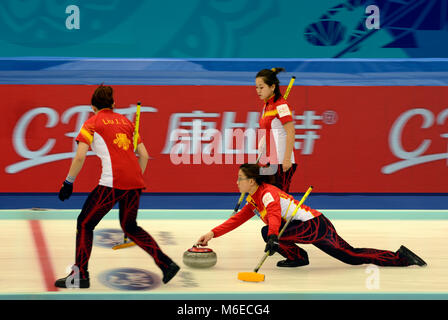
(196, 257)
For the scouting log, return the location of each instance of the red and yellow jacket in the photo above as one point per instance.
(274, 116)
(110, 135)
(272, 205)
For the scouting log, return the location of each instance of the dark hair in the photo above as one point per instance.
(103, 97)
(270, 78)
(253, 171)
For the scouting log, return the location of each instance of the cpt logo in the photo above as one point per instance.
(129, 279)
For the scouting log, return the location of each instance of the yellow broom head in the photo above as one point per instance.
(251, 276)
(123, 245)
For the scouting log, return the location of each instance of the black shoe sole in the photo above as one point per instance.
(292, 264)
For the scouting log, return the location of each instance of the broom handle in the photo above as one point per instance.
(288, 89)
(284, 227)
(137, 124)
(135, 138)
(295, 211)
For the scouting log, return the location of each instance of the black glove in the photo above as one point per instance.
(66, 190)
(272, 244)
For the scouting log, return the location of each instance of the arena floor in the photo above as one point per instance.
(39, 246)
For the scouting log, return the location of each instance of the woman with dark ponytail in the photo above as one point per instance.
(277, 127)
(308, 226)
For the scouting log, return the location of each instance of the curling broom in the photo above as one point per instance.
(126, 243)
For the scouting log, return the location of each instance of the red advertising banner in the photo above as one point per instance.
(348, 139)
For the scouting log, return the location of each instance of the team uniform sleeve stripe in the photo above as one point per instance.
(84, 133)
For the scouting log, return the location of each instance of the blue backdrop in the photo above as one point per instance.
(224, 28)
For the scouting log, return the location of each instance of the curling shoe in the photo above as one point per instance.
(170, 272)
(292, 263)
(70, 282)
(411, 257)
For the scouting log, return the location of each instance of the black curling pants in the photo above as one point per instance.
(320, 232)
(283, 179)
(99, 202)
